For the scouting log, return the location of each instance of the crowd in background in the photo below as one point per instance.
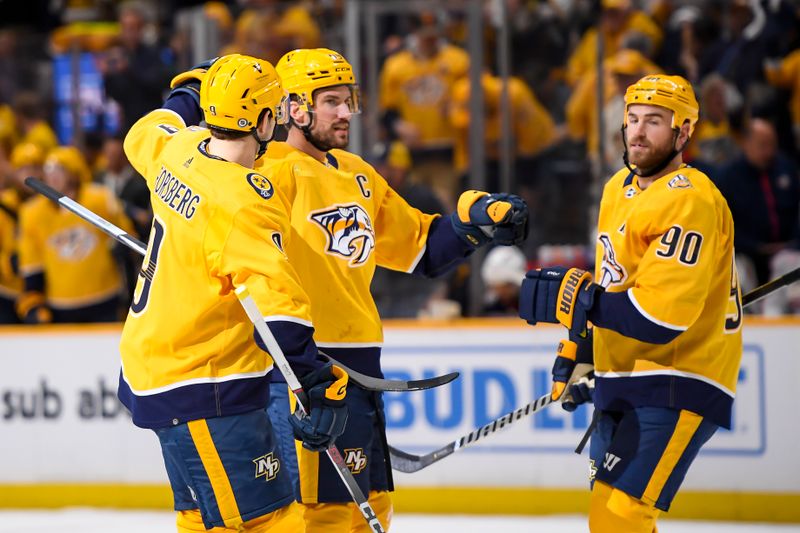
(742, 57)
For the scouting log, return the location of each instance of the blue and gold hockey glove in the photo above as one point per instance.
(558, 295)
(481, 217)
(326, 388)
(573, 373)
(189, 82)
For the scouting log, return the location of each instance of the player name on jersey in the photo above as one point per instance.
(176, 194)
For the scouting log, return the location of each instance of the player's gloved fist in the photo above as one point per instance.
(326, 388)
(573, 373)
(481, 217)
(38, 315)
(189, 82)
(558, 295)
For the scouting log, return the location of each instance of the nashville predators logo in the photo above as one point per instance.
(679, 182)
(356, 459)
(611, 272)
(267, 466)
(74, 244)
(261, 185)
(349, 232)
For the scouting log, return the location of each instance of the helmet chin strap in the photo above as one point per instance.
(262, 143)
(655, 169)
(306, 129)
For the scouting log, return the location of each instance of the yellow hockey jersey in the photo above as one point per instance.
(74, 256)
(345, 220)
(670, 248)
(10, 281)
(187, 347)
(419, 90)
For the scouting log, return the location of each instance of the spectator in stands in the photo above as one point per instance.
(67, 264)
(268, 29)
(739, 51)
(120, 177)
(785, 73)
(502, 272)
(26, 160)
(397, 294)
(31, 123)
(531, 127)
(616, 19)
(713, 143)
(134, 73)
(619, 71)
(762, 188)
(415, 89)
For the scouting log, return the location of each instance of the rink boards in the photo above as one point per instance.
(67, 440)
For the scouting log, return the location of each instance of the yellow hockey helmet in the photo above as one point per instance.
(670, 92)
(305, 70)
(26, 154)
(237, 89)
(72, 160)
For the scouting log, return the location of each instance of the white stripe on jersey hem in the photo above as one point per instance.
(652, 318)
(174, 113)
(288, 318)
(350, 344)
(196, 381)
(417, 259)
(645, 373)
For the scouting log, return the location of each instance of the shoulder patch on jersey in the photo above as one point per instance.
(261, 185)
(679, 182)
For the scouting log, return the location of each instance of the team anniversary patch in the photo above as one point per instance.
(261, 185)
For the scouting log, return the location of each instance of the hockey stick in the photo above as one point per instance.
(409, 462)
(335, 456)
(362, 380)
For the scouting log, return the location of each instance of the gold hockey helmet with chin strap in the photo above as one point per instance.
(305, 70)
(670, 92)
(237, 89)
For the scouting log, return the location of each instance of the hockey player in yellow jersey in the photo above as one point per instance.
(69, 270)
(191, 370)
(666, 308)
(345, 220)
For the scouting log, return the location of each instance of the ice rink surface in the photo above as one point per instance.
(104, 521)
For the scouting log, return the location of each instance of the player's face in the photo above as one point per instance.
(332, 113)
(649, 134)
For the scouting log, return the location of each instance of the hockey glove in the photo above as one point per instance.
(189, 82)
(326, 388)
(573, 373)
(481, 217)
(558, 295)
(32, 309)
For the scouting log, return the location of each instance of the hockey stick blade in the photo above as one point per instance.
(409, 463)
(392, 385)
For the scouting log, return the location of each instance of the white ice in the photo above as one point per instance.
(103, 521)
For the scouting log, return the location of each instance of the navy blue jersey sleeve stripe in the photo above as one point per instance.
(444, 250)
(615, 311)
(185, 106)
(297, 344)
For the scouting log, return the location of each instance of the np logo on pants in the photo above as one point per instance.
(267, 466)
(356, 459)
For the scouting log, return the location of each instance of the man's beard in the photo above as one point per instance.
(327, 140)
(655, 156)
